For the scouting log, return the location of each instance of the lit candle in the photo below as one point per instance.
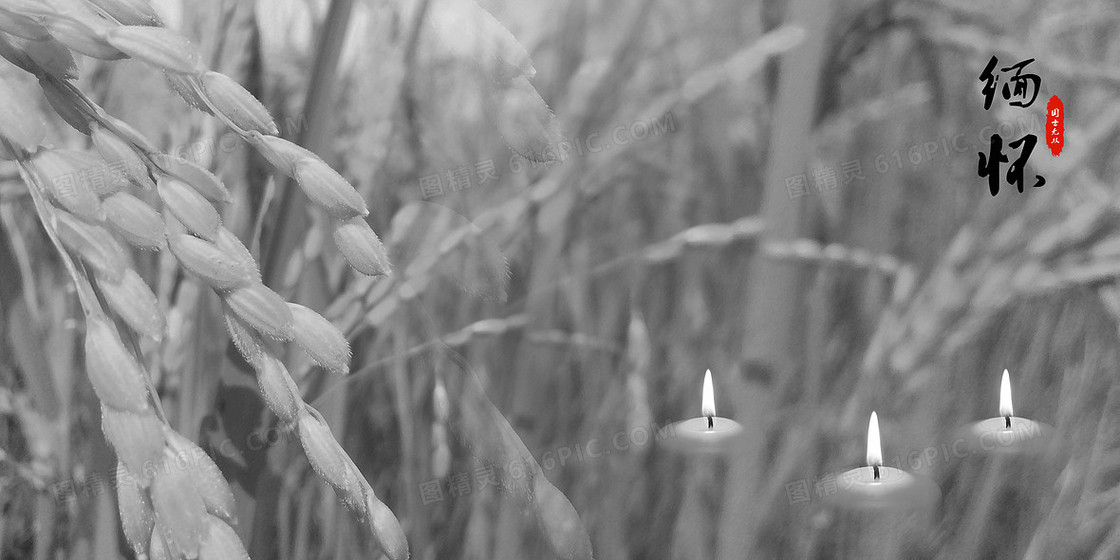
(881, 487)
(708, 433)
(1007, 433)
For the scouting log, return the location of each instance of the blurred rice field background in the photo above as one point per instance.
(784, 192)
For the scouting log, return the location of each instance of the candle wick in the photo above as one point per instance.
(711, 423)
(875, 469)
(1007, 422)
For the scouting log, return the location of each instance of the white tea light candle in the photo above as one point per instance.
(880, 487)
(706, 434)
(1007, 433)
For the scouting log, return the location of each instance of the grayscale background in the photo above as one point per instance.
(784, 192)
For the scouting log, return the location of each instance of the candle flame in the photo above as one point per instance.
(874, 448)
(1005, 408)
(708, 404)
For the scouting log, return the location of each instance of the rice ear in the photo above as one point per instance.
(138, 439)
(280, 391)
(186, 86)
(157, 549)
(53, 57)
(205, 476)
(221, 543)
(137, 516)
(114, 373)
(329, 190)
(386, 528)
(247, 342)
(215, 267)
(261, 309)
(93, 244)
(190, 208)
(328, 459)
(133, 301)
(22, 26)
(282, 154)
(135, 221)
(321, 340)
(66, 175)
(237, 104)
(233, 247)
(65, 106)
(157, 46)
(361, 247)
(179, 509)
(80, 35)
(117, 152)
(206, 183)
(130, 12)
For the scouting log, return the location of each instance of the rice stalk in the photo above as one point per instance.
(183, 529)
(132, 418)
